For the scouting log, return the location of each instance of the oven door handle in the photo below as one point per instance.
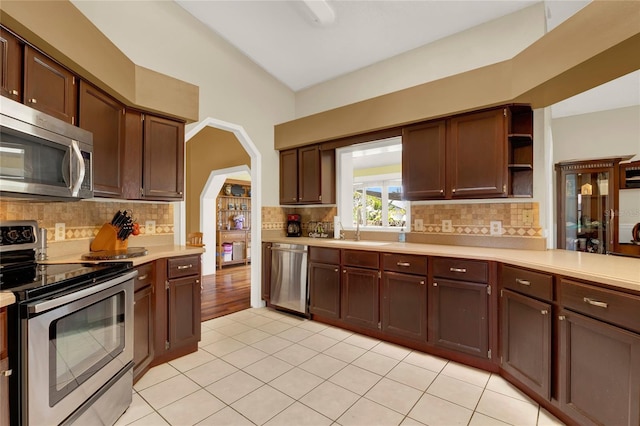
(37, 308)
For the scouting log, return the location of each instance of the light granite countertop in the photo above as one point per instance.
(623, 272)
(154, 253)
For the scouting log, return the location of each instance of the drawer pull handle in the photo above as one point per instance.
(523, 282)
(185, 266)
(544, 312)
(407, 264)
(142, 277)
(6, 373)
(461, 270)
(596, 303)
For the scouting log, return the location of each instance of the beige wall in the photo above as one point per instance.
(598, 134)
(210, 149)
(597, 44)
(451, 55)
(162, 36)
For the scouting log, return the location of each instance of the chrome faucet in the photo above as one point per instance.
(358, 220)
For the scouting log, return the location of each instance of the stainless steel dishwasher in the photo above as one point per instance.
(289, 277)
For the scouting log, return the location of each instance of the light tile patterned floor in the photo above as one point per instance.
(260, 366)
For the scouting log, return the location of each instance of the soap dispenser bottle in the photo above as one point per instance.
(402, 237)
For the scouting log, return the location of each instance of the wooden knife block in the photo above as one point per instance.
(107, 239)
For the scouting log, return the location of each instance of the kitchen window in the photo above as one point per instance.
(370, 179)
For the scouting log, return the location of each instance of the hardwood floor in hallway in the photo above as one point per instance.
(227, 291)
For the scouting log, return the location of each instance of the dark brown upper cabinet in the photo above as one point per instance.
(476, 157)
(423, 160)
(484, 154)
(48, 86)
(154, 157)
(104, 117)
(307, 176)
(10, 65)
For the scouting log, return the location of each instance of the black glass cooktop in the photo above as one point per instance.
(30, 281)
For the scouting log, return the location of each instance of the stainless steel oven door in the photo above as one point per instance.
(75, 344)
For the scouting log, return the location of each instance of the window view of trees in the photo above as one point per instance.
(381, 203)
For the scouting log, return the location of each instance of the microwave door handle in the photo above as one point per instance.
(75, 188)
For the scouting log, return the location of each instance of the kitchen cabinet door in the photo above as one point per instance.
(423, 161)
(154, 158)
(163, 150)
(10, 65)
(324, 289)
(360, 293)
(289, 176)
(458, 316)
(104, 117)
(599, 374)
(143, 351)
(184, 312)
(4, 369)
(526, 341)
(266, 272)
(404, 305)
(476, 160)
(49, 87)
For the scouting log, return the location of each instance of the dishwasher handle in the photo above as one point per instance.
(287, 250)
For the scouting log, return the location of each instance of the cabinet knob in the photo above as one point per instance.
(562, 317)
(6, 373)
(14, 92)
(344, 271)
(544, 312)
(435, 284)
(442, 191)
(33, 101)
(453, 190)
(422, 282)
(336, 270)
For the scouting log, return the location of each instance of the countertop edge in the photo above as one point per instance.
(617, 271)
(154, 253)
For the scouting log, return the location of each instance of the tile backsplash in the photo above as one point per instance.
(83, 219)
(516, 219)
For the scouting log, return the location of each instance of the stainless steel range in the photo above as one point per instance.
(70, 334)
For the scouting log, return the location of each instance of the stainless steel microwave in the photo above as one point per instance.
(42, 156)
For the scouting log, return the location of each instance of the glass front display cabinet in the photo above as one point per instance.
(587, 199)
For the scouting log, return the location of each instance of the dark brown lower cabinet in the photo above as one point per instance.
(404, 305)
(266, 272)
(526, 341)
(143, 331)
(458, 316)
(360, 297)
(184, 312)
(600, 371)
(177, 310)
(4, 369)
(324, 289)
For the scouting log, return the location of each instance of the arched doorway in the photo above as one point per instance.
(256, 202)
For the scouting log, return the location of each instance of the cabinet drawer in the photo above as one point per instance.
(407, 263)
(231, 236)
(527, 282)
(183, 266)
(607, 305)
(460, 269)
(365, 259)
(145, 276)
(324, 255)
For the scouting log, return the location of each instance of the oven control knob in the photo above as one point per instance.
(12, 235)
(27, 234)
